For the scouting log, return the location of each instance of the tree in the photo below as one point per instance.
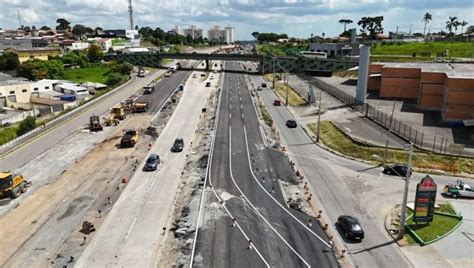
(38, 69)
(463, 23)
(426, 19)
(452, 23)
(33, 28)
(98, 30)
(45, 28)
(9, 61)
(94, 53)
(114, 79)
(136, 27)
(26, 125)
(63, 24)
(79, 30)
(189, 39)
(371, 25)
(345, 22)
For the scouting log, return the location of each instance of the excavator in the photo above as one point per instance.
(12, 185)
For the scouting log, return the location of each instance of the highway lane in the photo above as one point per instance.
(282, 238)
(43, 142)
(321, 168)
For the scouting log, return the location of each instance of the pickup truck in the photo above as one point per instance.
(460, 189)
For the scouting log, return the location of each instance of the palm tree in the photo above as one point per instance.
(345, 22)
(463, 23)
(452, 23)
(323, 35)
(426, 19)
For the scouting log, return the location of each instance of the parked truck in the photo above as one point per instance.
(12, 185)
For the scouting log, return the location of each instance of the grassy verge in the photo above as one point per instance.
(269, 77)
(294, 99)
(337, 140)
(400, 59)
(166, 61)
(459, 49)
(440, 225)
(8, 133)
(94, 73)
(267, 118)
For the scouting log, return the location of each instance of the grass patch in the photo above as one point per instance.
(446, 208)
(288, 49)
(294, 99)
(399, 59)
(337, 140)
(458, 49)
(8, 133)
(93, 73)
(267, 118)
(440, 225)
(346, 74)
(166, 61)
(269, 77)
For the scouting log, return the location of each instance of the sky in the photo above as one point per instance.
(297, 18)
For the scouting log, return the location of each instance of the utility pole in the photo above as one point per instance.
(396, 35)
(273, 72)
(409, 34)
(19, 18)
(319, 115)
(286, 85)
(130, 13)
(401, 232)
(388, 134)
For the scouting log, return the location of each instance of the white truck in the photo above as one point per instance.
(460, 189)
(173, 68)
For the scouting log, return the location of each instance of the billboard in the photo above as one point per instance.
(425, 200)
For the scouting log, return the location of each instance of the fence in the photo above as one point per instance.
(405, 131)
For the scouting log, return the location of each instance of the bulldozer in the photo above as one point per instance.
(119, 112)
(94, 124)
(12, 185)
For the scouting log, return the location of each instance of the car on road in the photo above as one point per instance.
(264, 85)
(211, 78)
(152, 162)
(215, 71)
(460, 189)
(350, 227)
(178, 145)
(259, 88)
(208, 84)
(194, 76)
(148, 89)
(291, 123)
(167, 74)
(277, 102)
(396, 170)
(203, 75)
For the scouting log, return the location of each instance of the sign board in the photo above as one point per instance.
(425, 200)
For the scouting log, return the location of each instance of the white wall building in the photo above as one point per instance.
(225, 35)
(193, 31)
(20, 90)
(77, 46)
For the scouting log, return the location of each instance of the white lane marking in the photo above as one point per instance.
(242, 115)
(230, 106)
(230, 116)
(241, 107)
(240, 99)
(131, 227)
(273, 198)
(253, 207)
(239, 90)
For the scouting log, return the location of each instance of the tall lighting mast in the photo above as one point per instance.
(130, 12)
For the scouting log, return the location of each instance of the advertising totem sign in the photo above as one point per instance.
(425, 200)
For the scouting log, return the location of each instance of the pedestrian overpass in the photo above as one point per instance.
(266, 64)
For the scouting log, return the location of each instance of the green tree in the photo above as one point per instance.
(426, 19)
(9, 61)
(45, 28)
(114, 79)
(63, 24)
(345, 22)
(26, 125)
(38, 69)
(371, 26)
(94, 53)
(451, 24)
(463, 24)
(79, 30)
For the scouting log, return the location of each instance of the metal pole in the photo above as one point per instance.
(405, 196)
(319, 116)
(434, 143)
(388, 134)
(273, 72)
(286, 84)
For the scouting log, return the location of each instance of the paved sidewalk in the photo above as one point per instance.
(132, 232)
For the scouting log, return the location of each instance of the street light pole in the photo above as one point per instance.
(319, 116)
(286, 85)
(401, 232)
(273, 72)
(388, 134)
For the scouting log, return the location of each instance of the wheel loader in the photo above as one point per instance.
(12, 185)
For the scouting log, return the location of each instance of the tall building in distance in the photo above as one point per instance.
(225, 35)
(193, 31)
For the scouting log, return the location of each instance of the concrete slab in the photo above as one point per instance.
(132, 232)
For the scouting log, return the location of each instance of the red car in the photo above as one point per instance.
(277, 102)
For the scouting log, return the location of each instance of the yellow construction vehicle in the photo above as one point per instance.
(119, 112)
(94, 124)
(129, 138)
(12, 185)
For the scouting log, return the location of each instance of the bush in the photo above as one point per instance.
(38, 69)
(9, 61)
(28, 124)
(114, 79)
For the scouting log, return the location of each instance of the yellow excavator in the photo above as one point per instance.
(12, 185)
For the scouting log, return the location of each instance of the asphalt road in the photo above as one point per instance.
(321, 167)
(279, 236)
(50, 137)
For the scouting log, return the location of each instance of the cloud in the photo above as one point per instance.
(295, 17)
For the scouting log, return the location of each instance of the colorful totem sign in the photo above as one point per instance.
(425, 200)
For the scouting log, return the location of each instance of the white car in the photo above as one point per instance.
(460, 189)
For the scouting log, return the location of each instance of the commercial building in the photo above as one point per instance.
(448, 88)
(17, 90)
(25, 54)
(333, 50)
(225, 35)
(193, 31)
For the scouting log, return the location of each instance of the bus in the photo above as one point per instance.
(314, 55)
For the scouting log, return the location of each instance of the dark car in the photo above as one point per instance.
(152, 162)
(291, 123)
(178, 145)
(208, 84)
(264, 85)
(148, 89)
(350, 227)
(396, 170)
